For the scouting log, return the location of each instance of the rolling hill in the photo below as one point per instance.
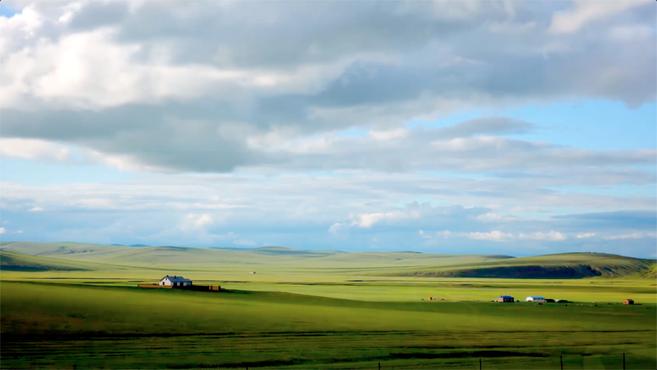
(72, 256)
(554, 266)
(13, 261)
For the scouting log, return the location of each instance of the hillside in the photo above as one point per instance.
(554, 266)
(280, 260)
(12, 261)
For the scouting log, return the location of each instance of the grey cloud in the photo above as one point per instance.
(485, 126)
(150, 135)
(281, 34)
(475, 146)
(379, 64)
(180, 138)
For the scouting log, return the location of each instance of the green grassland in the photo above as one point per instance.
(73, 305)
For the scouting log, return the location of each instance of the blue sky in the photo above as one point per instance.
(480, 127)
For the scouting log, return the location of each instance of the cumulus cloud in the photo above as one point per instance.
(494, 235)
(495, 217)
(301, 210)
(196, 89)
(367, 220)
(633, 236)
(239, 118)
(384, 135)
(33, 149)
(554, 236)
(584, 12)
(497, 235)
(197, 222)
(585, 235)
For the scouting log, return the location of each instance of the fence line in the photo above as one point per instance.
(561, 364)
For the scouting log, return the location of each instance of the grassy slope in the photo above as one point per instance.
(308, 310)
(13, 261)
(277, 259)
(304, 330)
(567, 265)
(358, 276)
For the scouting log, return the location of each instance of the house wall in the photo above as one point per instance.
(167, 282)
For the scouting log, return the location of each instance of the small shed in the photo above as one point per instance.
(535, 299)
(505, 299)
(628, 301)
(175, 281)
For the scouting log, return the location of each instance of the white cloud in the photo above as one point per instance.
(319, 114)
(36, 209)
(33, 149)
(2, 230)
(369, 219)
(494, 235)
(119, 161)
(635, 235)
(494, 217)
(444, 234)
(585, 235)
(385, 135)
(90, 70)
(96, 202)
(586, 11)
(553, 236)
(159, 89)
(337, 228)
(197, 221)
(300, 208)
(630, 33)
(498, 235)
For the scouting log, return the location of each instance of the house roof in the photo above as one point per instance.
(505, 296)
(536, 297)
(176, 279)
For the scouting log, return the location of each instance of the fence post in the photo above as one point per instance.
(623, 360)
(561, 360)
(379, 365)
(479, 364)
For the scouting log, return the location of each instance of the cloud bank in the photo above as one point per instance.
(196, 89)
(323, 123)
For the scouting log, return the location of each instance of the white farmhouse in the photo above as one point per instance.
(535, 298)
(174, 281)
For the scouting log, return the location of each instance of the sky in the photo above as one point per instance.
(488, 127)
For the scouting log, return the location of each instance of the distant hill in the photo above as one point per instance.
(553, 266)
(13, 261)
(288, 251)
(23, 256)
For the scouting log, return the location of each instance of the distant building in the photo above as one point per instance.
(628, 301)
(535, 299)
(505, 299)
(175, 281)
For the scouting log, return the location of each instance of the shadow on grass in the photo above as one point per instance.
(388, 357)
